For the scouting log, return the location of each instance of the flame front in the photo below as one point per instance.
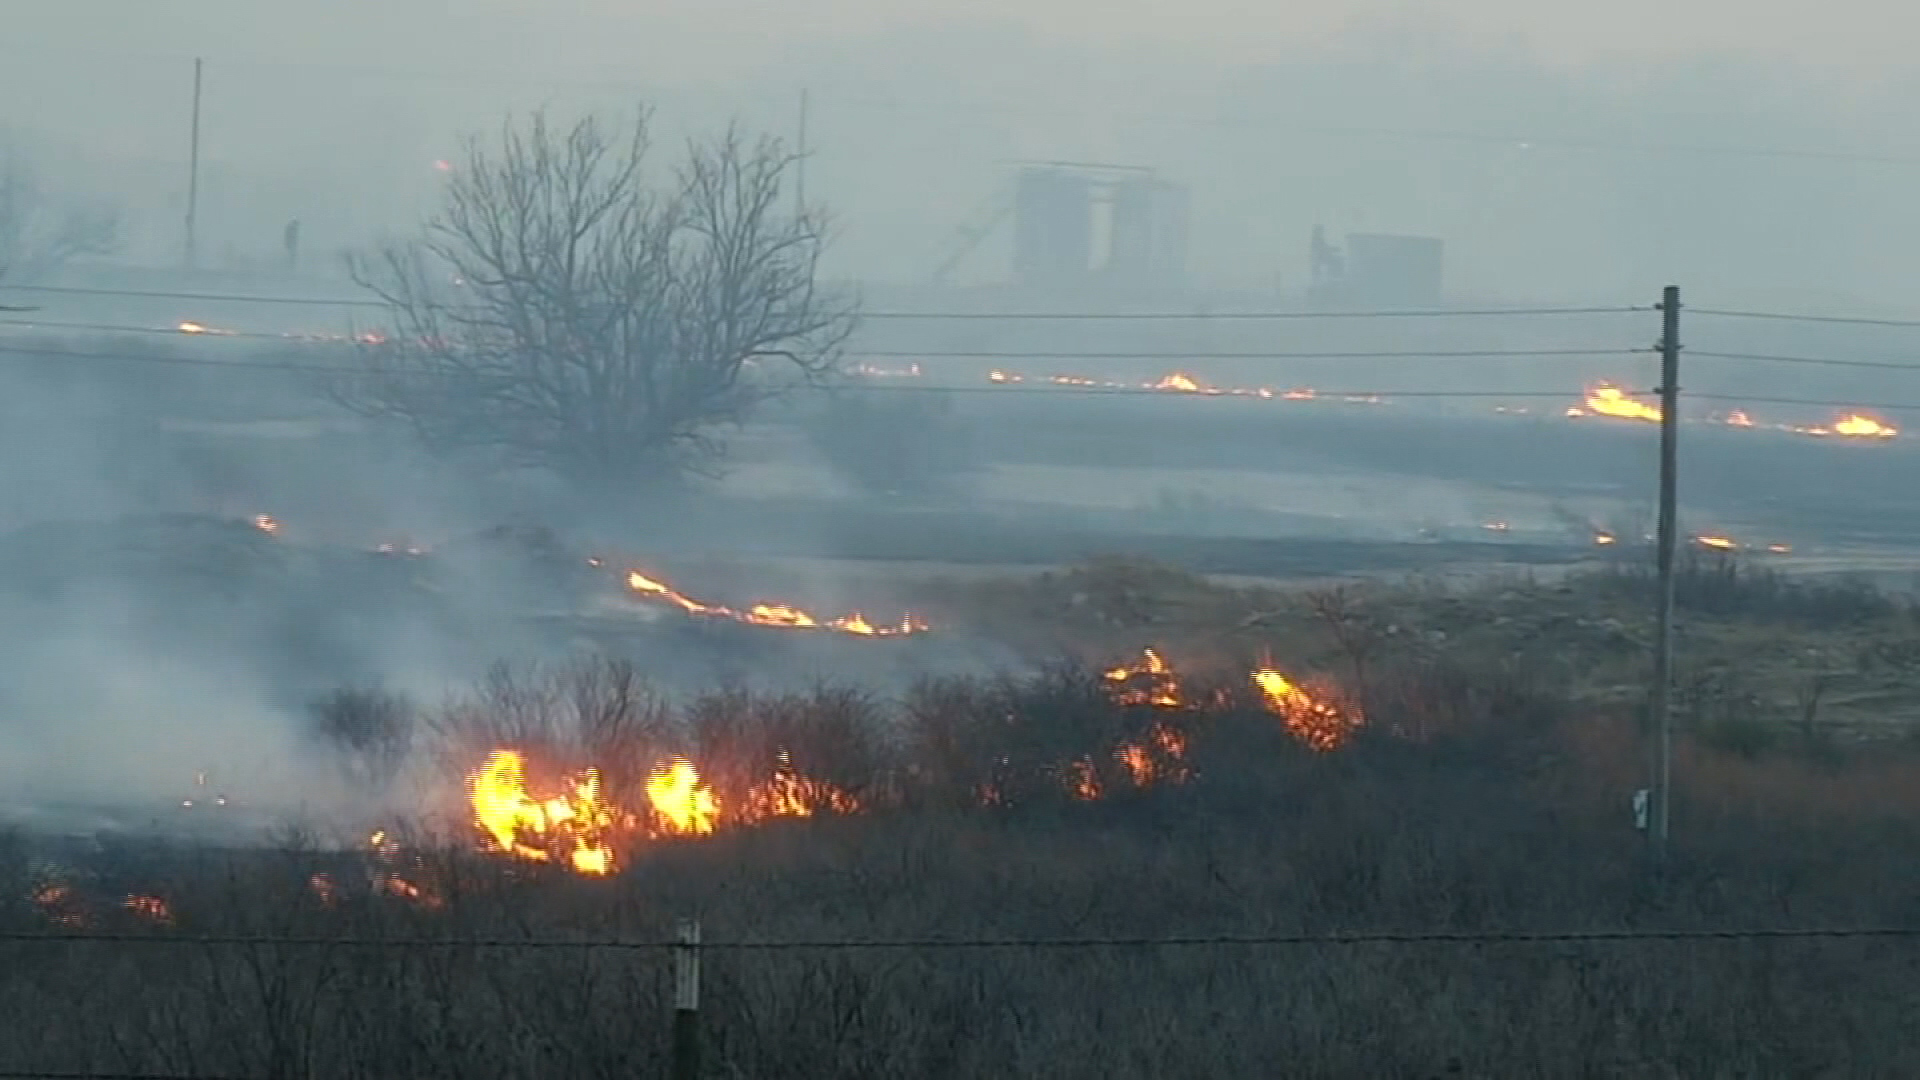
(1605, 399)
(1854, 425)
(575, 823)
(1147, 681)
(681, 799)
(1319, 723)
(1717, 543)
(782, 616)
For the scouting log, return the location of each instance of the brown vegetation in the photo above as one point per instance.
(1488, 794)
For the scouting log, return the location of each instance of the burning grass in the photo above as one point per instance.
(1512, 819)
(1487, 743)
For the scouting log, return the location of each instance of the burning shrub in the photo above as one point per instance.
(371, 732)
(595, 713)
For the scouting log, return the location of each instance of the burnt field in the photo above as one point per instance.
(1325, 833)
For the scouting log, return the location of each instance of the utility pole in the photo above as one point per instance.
(800, 162)
(193, 170)
(1668, 542)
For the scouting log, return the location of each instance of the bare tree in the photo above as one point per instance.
(565, 311)
(38, 234)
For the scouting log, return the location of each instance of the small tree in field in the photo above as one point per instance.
(37, 233)
(568, 311)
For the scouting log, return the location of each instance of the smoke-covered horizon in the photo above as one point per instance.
(1602, 172)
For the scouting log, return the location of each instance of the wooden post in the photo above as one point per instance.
(1668, 541)
(193, 173)
(686, 1002)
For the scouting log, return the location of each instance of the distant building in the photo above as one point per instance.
(1076, 226)
(1377, 270)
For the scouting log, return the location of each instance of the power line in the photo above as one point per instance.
(1386, 313)
(1878, 406)
(1886, 365)
(1035, 389)
(1145, 391)
(1851, 320)
(1336, 938)
(1365, 354)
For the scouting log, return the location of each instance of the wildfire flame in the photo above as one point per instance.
(681, 799)
(1718, 543)
(575, 823)
(1739, 418)
(151, 908)
(1854, 425)
(266, 523)
(788, 794)
(1605, 399)
(775, 615)
(1319, 723)
(1147, 681)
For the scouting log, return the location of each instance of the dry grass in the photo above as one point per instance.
(1488, 793)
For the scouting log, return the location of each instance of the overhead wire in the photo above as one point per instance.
(1846, 320)
(7, 352)
(1385, 313)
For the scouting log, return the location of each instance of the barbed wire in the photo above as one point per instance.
(1336, 938)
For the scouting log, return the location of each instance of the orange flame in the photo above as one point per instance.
(775, 615)
(151, 908)
(681, 799)
(1718, 543)
(575, 824)
(1739, 418)
(266, 523)
(1605, 399)
(1854, 425)
(1317, 722)
(1147, 681)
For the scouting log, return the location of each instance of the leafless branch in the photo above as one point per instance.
(568, 311)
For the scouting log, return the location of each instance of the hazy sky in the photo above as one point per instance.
(1569, 149)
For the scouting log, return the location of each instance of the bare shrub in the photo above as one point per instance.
(370, 732)
(565, 312)
(595, 713)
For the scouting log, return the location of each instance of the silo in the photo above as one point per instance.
(1149, 245)
(1053, 227)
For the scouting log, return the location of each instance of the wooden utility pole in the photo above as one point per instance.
(193, 171)
(1668, 541)
(686, 1002)
(800, 161)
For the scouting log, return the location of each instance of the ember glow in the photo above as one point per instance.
(775, 615)
(1313, 720)
(1739, 418)
(266, 523)
(1605, 399)
(1717, 543)
(1146, 681)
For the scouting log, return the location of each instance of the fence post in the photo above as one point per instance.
(686, 1001)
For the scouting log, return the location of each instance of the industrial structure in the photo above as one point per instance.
(1375, 270)
(1078, 226)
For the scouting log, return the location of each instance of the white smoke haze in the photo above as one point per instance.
(154, 633)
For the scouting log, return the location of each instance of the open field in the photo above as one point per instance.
(1483, 792)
